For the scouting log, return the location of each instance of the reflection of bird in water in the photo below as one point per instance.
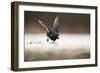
(53, 33)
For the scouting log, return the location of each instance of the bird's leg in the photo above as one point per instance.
(53, 42)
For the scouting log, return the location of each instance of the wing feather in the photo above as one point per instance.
(56, 24)
(43, 25)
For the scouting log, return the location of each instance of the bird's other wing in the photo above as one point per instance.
(40, 22)
(56, 24)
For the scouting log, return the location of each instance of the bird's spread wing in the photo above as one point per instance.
(43, 25)
(56, 24)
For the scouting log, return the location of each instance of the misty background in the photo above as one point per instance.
(68, 22)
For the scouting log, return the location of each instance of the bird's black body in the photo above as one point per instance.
(53, 33)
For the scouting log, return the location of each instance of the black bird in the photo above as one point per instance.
(52, 33)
